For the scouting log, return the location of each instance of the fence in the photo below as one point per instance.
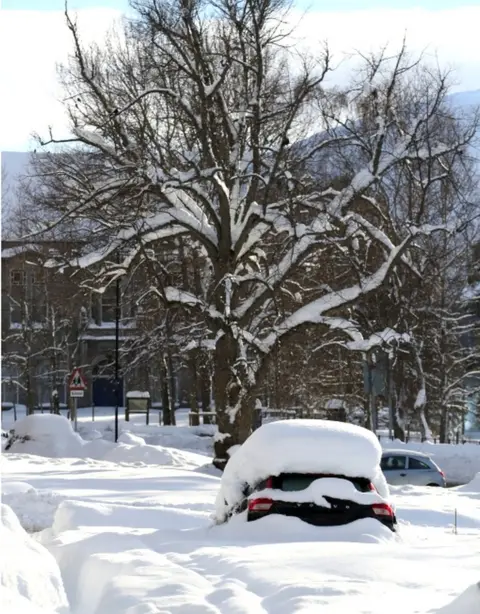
(457, 440)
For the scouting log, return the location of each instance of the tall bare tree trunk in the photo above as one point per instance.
(165, 393)
(193, 389)
(234, 413)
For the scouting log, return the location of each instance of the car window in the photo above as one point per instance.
(296, 481)
(390, 463)
(415, 463)
(301, 481)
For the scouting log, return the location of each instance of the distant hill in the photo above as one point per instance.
(466, 99)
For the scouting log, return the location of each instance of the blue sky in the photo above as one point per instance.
(318, 5)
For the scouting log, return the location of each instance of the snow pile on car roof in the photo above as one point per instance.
(300, 446)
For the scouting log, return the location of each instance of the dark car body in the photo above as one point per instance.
(340, 512)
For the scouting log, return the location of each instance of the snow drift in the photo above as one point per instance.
(30, 578)
(473, 487)
(466, 603)
(45, 435)
(303, 446)
(52, 435)
(34, 509)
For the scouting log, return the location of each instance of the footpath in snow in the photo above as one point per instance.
(128, 529)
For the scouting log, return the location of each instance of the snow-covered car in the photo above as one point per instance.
(326, 473)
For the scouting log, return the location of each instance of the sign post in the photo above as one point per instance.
(77, 386)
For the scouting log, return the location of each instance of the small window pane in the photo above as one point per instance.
(414, 463)
(109, 304)
(37, 277)
(391, 463)
(17, 278)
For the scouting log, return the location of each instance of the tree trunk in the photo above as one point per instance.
(193, 387)
(55, 402)
(204, 385)
(443, 423)
(205, 392)
(165, 394)
(29, 391)
(234, 405)
(171, 387)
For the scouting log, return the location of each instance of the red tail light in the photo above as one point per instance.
(259, 505)
(382, 509)
(441, 473)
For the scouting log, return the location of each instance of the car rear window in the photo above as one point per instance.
(300, 481)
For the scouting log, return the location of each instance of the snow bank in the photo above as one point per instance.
(473, 487)
(459, 462)
(277, 529)
(45, 435)
(304, 446)
(139, 452)
(52, 436)
(72, 515)
(197, 439)
(35, 510)
(466, 603)
(30, 577)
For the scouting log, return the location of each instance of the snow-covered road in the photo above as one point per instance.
(137, 539)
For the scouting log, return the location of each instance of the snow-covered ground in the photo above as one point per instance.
(132, 534)
(459, 462)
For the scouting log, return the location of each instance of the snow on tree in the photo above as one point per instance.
(193, 123)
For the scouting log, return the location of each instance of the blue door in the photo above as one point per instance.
(104, 392)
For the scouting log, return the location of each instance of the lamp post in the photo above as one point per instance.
(117, 340)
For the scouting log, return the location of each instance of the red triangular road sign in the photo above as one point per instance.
(77, 381)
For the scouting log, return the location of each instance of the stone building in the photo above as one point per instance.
(51, 324)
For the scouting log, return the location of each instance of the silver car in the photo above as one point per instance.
(410, 467)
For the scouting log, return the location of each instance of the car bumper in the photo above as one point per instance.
(321, 516)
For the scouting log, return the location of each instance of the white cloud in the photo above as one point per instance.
(32, 42)
(450, 35)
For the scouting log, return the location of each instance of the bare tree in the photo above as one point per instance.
(192, 124)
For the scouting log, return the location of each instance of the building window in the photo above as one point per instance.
(17, 277)
(109, 303)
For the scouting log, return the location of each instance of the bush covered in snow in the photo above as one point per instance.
(300, 446)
